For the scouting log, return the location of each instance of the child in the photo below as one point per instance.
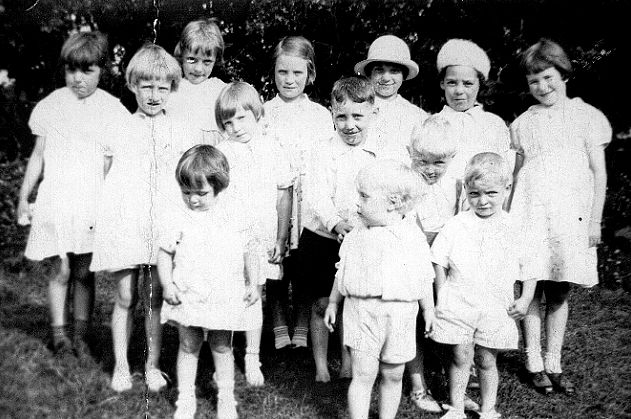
(200, 47)
(384, 272)
(298, 124)
(75, 126)
(560, 178)
(387, 66)
(477, 261)
(432, 151)
(330, 201)
(261, 189)
(202, 262)
(138, 188)
(463, 68)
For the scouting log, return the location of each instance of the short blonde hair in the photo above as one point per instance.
(394, 179)
(484, 164)
(152, 62)
(235, 95)
(201, 36)
(435, 138)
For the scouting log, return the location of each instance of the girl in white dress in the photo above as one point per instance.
(560, 183)
(202, 260)
(260, 190)
(75, 126)
(199, 49)
(298, 124)
(138, 189)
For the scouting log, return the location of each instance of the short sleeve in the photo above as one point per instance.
(600, 131)
(40, 120)
(515, 141)
(169, 238)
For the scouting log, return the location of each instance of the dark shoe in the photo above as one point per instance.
(81, 348)
(540, 382)
(561, 383)
(62, 346)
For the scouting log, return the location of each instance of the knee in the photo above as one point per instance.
(393, 375)
(461, 358)
(63, 274)
(485, 362)
(319, 306)
(190, 344)
(126, 299)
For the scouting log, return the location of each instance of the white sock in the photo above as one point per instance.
(534, 361)
(552, 362)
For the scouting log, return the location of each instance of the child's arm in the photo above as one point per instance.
(283, 207)
(597, 165)
(519, 308)
(441, 277)
(427, 305)
(254, 288)
(170, 293)
(34, 170)
(330, 313)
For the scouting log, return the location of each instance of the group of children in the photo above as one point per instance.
(206, 194)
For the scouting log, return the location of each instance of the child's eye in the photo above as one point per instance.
(209, 62)
(202, 193)
(191, 60)
(469, 83)
(450, 83)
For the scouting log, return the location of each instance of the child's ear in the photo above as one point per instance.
(133, 88)
(395, 202)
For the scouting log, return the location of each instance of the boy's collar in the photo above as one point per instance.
(476, 108)
(143, 115)
(369, 144)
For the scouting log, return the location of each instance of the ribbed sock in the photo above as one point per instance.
(552, 362)
(281, 337)
(534, 361)
(300, 337)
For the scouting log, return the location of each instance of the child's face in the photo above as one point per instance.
(387, 79)
(83, 82)
(197, 67)
(547, 86)
(430, 168)
(152, 95)
(199, 199)
(461, 85)
(373, 207)
(242, 127)
(352, 120)
(486, 195)
(290, 75)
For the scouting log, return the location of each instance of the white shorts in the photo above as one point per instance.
(385, 330)
(459, 321)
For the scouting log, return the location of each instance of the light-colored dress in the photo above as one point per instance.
(299, 127)
(258, 170)
(477, 131)
(78, 134)
(140, 189)
(195, 103)
(209, 272)
(554, 189)
(398, 119)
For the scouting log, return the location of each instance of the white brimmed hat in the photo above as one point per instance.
(389, 49)
(463, 52)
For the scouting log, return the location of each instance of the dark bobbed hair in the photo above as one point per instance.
(233, 96)
(370, 66)
(543, 55)
(203, 163)
(85, 49)
(201, 37)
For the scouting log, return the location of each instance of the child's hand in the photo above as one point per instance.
(594, 234)
(171, 294)
(342, 229)
(330, 315)
(278, 253)
(24, 213)
(252, 295)
(429, 317)
(518, 309)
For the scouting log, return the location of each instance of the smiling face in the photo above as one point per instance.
(430, 168)
(151, 95)
(486, 195)
(197, 67)
(83, 82)
(387, 79)
(242, 126)
(547, 86)
(461, 85)
(291, 76)
(199, 199)
(352, 120)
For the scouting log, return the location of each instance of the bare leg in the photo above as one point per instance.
(320, 341)
(365, 369)
(462, 357)
(122, 318)
(390, 389)
(532, 333)
(345, 354)
(486, 361)
(58, 292)
(253, 374)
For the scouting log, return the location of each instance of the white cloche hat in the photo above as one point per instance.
(389, 49)
(463, 52)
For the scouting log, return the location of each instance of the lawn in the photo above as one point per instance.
(36, 384)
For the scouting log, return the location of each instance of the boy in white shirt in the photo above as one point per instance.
(478, 258)
(330, 201)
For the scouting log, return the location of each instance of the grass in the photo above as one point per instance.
(36, 384)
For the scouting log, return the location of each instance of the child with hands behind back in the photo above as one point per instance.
(384, 271)
(478, 257)
(209, 274)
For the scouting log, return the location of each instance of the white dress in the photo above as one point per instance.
(139, 189)
(554, 189)
(299, 127)
(195, 104)
(209, 272)
(398, 119)
(258, 169)
(78, 134)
